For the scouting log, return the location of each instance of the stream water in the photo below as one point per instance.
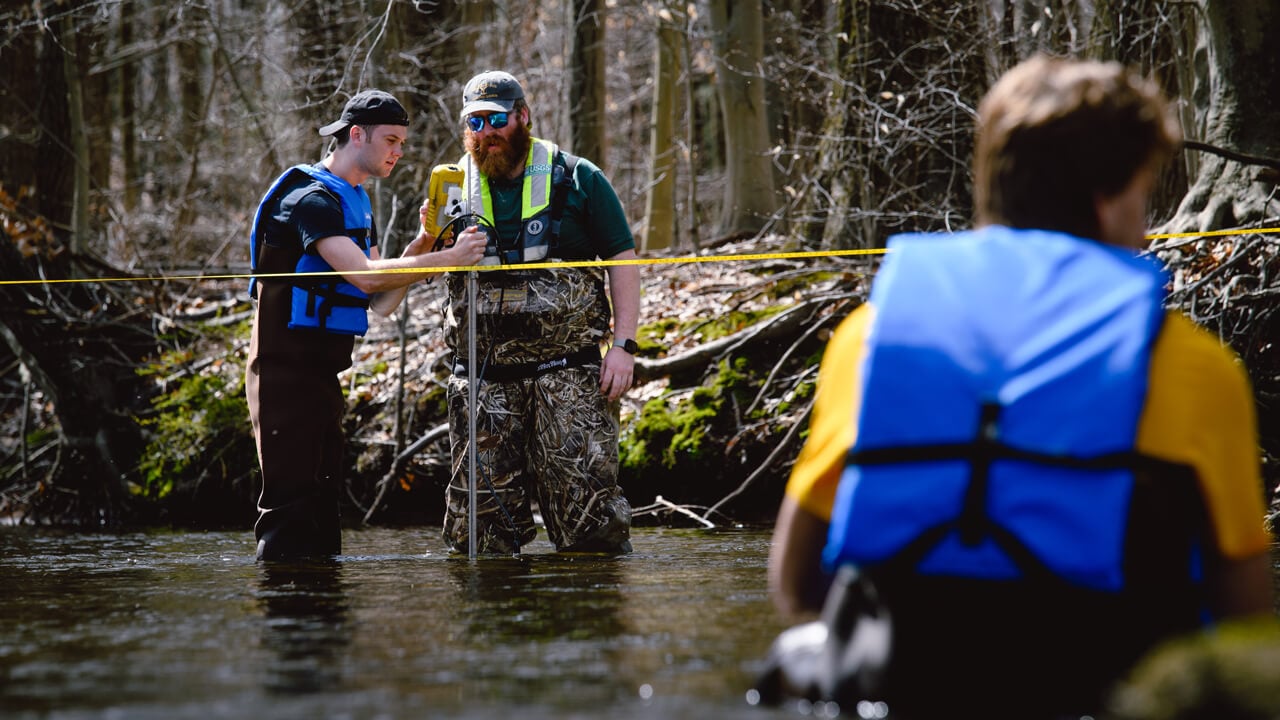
(187, 625)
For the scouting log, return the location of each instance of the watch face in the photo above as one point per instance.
(630, 346)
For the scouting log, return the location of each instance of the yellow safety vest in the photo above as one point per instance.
(535, 203)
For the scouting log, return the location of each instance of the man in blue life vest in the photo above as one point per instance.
(317, 219)
(547, 423)
(1022, 472)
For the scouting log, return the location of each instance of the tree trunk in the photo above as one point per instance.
(825, 212)
(194, 88)
(1237, 99)
(321, 54)
(750, 200)
(83, 347)
(130, 175)
(94, 43)
(691, 155)
(477, 16)
(659, 216)
(587, 72)
(79, 133)
(895, 149)
(1237, 111)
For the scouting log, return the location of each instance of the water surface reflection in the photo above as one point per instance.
(306, 627)
(171, 625)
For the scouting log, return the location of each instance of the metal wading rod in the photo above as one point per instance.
(471, 414)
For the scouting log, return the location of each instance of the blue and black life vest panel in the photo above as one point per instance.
(323, 302)
(1004, 381)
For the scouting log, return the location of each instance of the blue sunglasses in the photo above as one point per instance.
(497, 121)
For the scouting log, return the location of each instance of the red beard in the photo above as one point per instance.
(496, 157)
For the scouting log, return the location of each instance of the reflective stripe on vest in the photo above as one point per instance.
(535, 201)
(995, 338)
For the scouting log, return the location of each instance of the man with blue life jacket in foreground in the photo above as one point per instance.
(547, 416)
(1022, 472)
(317, 219)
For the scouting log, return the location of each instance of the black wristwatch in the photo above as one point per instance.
(628, 345)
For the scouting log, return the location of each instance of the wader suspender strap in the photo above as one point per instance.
(562, 169)
(561, 181)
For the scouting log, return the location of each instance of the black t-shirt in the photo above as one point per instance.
(304, 213)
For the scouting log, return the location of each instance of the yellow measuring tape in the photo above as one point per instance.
(573, 263)
(1214, 233)
(481, 268)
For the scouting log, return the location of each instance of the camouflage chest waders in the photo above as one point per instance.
(544, 433)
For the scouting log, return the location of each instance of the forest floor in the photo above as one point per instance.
(729, 352)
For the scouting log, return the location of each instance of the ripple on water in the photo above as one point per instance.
(186, 624)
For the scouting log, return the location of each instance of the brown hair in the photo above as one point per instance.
(519, 105)
(1054, 133)
(343, 136)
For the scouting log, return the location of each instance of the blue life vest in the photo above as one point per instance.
(323, 302)
(1004, 381)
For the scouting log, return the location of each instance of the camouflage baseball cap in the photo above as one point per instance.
(493, 91)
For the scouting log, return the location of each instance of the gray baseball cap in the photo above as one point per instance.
(492, 90)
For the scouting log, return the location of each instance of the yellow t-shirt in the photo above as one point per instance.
(1199, 412)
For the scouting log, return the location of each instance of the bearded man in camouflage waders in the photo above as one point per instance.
(547, 421)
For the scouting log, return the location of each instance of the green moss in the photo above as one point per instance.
(1230, 672)
(434, 402)
(670, 434)
(737, 320)
(198, 417)
(651, 337)
(40, 436)
(800, 283)
(803, 391)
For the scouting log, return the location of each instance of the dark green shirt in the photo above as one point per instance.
(594, 224)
